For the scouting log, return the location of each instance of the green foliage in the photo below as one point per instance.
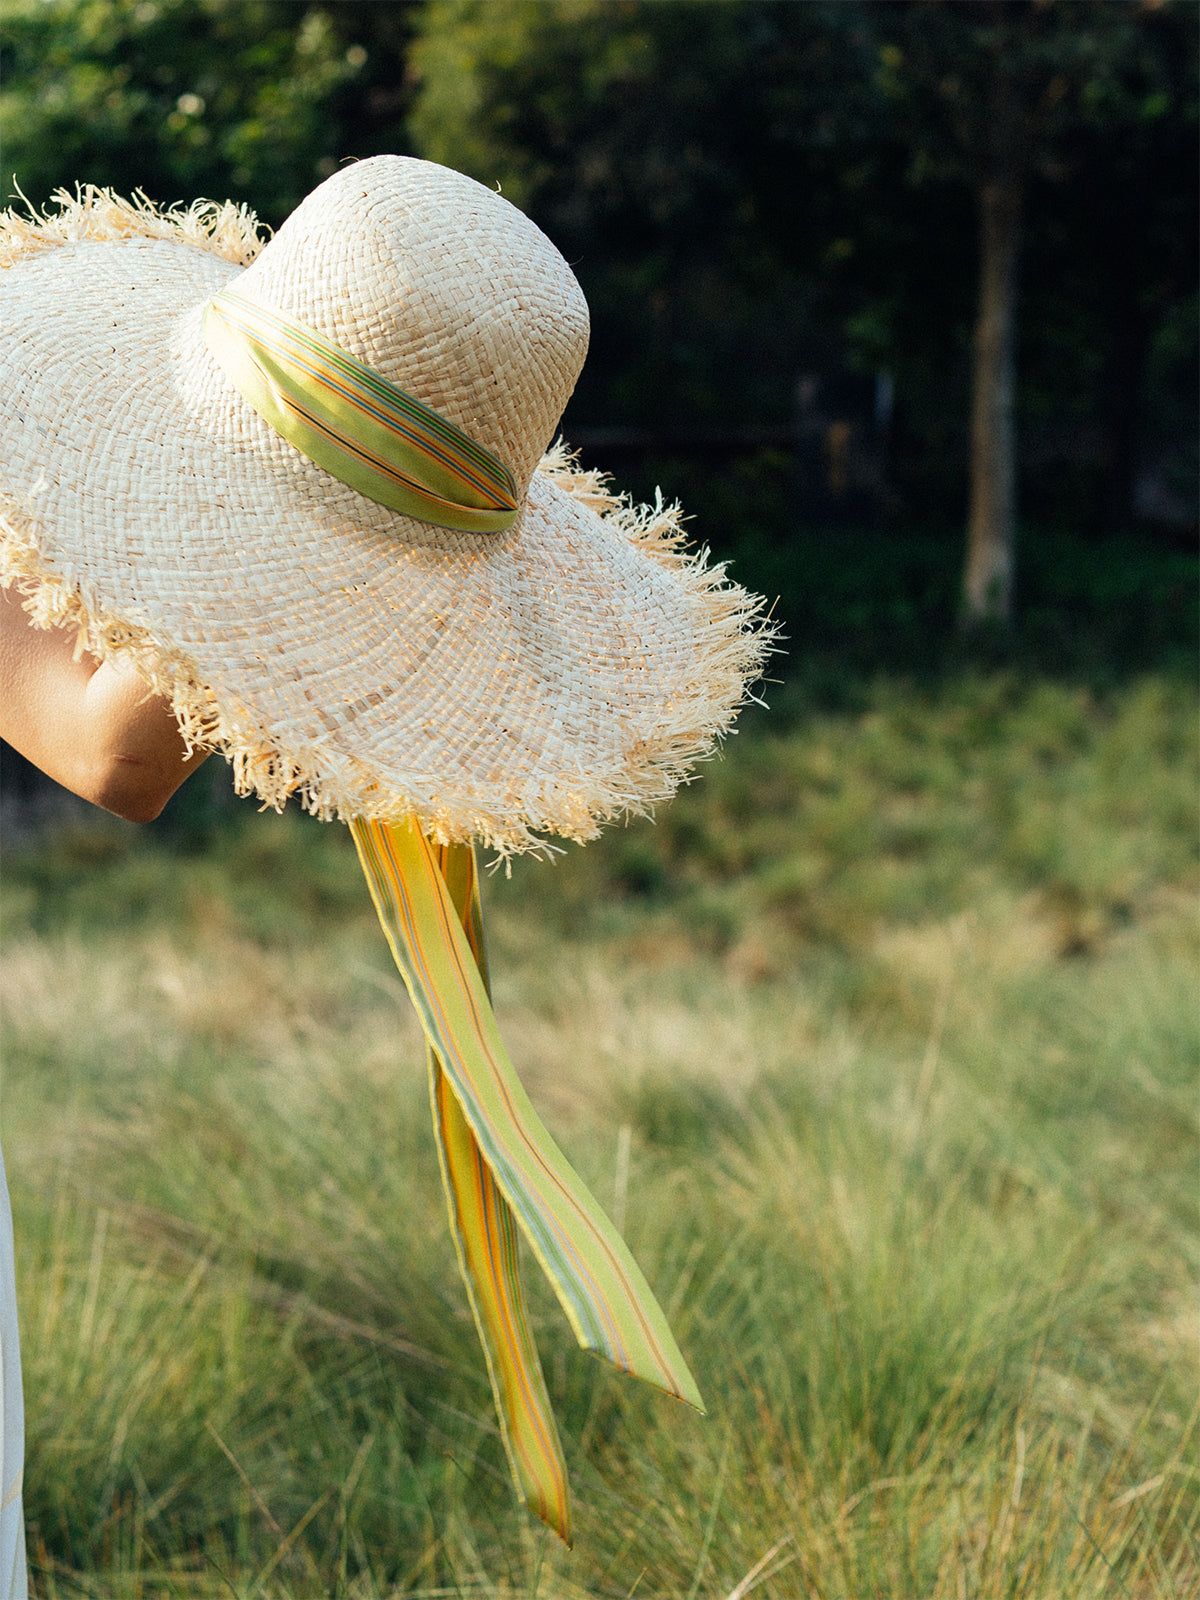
(980, 87)
(178, 98)
(897, 1011)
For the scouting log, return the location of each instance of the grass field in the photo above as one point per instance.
(881, 1046)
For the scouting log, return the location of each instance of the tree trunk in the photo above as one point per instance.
(991, 530)
(1131, 326)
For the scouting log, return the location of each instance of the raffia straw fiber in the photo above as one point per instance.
(499, 687)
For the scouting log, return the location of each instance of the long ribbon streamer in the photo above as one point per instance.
(485, 1235)
(352, 421)
(601, 1289)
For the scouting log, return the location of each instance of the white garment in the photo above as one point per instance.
(13, 1582)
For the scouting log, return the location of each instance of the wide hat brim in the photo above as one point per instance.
(494, 686)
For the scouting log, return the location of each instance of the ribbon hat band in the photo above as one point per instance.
(350, 420)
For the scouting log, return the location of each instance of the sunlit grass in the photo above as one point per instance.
(882, 1046)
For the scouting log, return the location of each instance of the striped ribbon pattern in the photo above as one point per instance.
(599, 1285)
(350, 420)
(485, 1236)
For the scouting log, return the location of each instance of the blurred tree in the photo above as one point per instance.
(1112, 262)
(370, 108)
(660, 146)
(749, 187)
(246, 99)
(994, 95)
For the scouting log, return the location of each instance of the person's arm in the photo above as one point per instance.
(93, 727)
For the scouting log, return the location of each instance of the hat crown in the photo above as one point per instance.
(442, 287)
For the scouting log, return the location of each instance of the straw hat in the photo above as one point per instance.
(495, 685)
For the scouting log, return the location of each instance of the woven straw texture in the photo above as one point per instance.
(496, 686)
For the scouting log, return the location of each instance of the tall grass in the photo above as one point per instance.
(882, 1046)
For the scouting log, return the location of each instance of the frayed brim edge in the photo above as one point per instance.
(733, 639)
(733, 643)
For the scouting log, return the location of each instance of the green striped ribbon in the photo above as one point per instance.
(599, 1285)
(348, 419)
(485, 1235)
